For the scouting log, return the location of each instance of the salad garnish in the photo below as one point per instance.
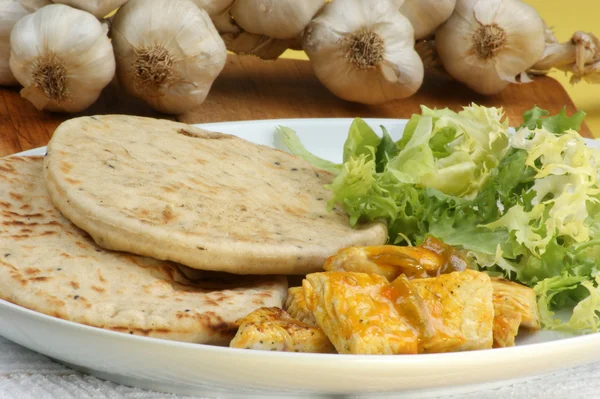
(523, 202)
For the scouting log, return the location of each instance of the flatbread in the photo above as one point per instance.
(50, 266)
(207, 200)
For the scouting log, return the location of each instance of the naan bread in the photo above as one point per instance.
(206, 200)
(50, 266)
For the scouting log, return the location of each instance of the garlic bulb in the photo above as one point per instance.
(264, 47)
(214, 7)
(62, 57)
(168, 53)
(488, 43)
(100, 8)
(426, 15)
(34, 5)
(280, 19)
(363, 51)
(11, 11)
(245, 43)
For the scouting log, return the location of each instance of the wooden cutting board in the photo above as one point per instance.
(249, 88)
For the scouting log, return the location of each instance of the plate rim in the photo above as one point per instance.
(251, 122)
(295, 355)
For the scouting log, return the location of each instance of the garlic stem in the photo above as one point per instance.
(556, 55)
(590, 73)
(578, 56)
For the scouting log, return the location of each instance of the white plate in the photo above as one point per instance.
(205, 370)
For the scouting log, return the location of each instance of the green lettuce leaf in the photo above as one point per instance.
(415, 161)
(537, 118)
(362, 140)
(361, 192)
(551, 294)
(386, 150)
(290, 140)
(449, 151)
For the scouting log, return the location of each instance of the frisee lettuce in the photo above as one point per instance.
(537, 118)
(523, 205)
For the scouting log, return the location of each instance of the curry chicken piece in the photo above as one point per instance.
(295, 305)
(357, 310)
(357, 313)
(514, 306)
(461, 311)
(275, 330)
(365, 314)
(430, 259)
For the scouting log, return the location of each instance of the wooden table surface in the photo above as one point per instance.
(249, 88)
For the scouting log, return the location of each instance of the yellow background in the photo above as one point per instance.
(566, 17)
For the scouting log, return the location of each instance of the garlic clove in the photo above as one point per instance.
(488, 43)
(99, 8)
(408, 70)
(364, 51)
(214, 7)
(524, 44)
(168, 53)
(488, 81)
(36, 96)
(280, 19)
(63, 53)
(425, 15)
(485, 11)
(511, 62)
(390, 72)
(524, 78)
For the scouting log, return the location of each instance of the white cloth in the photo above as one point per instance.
(28, 375)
